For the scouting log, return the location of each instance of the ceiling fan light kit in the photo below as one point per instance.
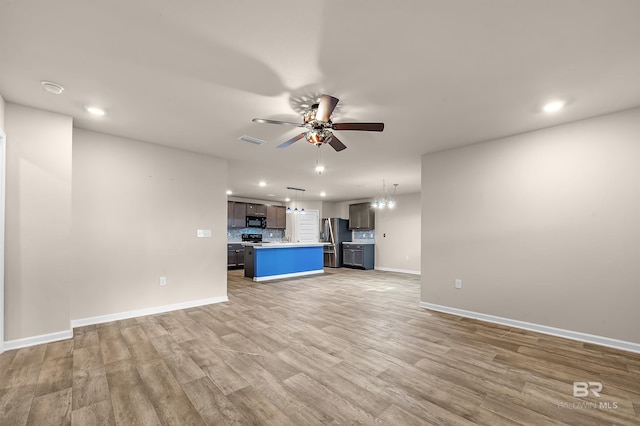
(319, 167)
(317, 121)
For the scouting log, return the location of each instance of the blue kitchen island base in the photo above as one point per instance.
(276, 261)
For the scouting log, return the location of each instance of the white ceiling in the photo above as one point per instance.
(439, 74)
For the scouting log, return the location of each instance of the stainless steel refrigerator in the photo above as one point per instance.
(334, 231)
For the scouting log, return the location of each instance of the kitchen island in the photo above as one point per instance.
(272, 261)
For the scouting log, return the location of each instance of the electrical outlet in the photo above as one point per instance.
(163, 280)
(458, 284)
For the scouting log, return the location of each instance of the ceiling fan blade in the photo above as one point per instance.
(284, 123)
(325, 107)
(292, 140)
(336, 144)
(370, 127)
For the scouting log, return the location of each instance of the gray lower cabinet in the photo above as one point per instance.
(356, 255)
(235, 256)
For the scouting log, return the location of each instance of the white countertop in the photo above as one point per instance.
(283, 245)
(358, 242)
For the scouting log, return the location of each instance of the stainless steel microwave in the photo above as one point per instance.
(256, 222)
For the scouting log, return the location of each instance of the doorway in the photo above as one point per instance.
(307, 227)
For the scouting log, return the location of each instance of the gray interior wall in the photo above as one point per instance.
(93, 221)
(2, 213)
(38, 222)
(400, 248)
(136, 208)
(398, 235)
(2, 106)
(542, 227)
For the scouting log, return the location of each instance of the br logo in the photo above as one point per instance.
(582, 389)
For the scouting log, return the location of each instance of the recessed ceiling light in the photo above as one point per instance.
(287, 199)
(553, 106)
(94, 110)
(52, 87)
(319, 169)
(229, 192)
(262, 183)
(323, 194)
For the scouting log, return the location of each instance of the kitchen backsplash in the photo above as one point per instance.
(235, 234)
(364, 236)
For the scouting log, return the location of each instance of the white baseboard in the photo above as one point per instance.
(147, 311)
(68, 334)
(402, 271)
(567, 334)
(37, 340)
(291, 275)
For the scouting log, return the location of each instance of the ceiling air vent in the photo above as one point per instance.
(252, 140)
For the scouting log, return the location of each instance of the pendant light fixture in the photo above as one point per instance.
(295, 210)
(384, 199)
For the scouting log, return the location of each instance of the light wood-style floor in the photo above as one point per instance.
(347, 347)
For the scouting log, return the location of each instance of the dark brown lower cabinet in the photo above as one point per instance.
(235, 256)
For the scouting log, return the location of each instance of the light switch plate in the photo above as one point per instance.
(203, 233)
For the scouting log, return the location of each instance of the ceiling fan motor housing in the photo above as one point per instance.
(319, 132)
(319, 137)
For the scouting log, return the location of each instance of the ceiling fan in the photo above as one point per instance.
(317, 121)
